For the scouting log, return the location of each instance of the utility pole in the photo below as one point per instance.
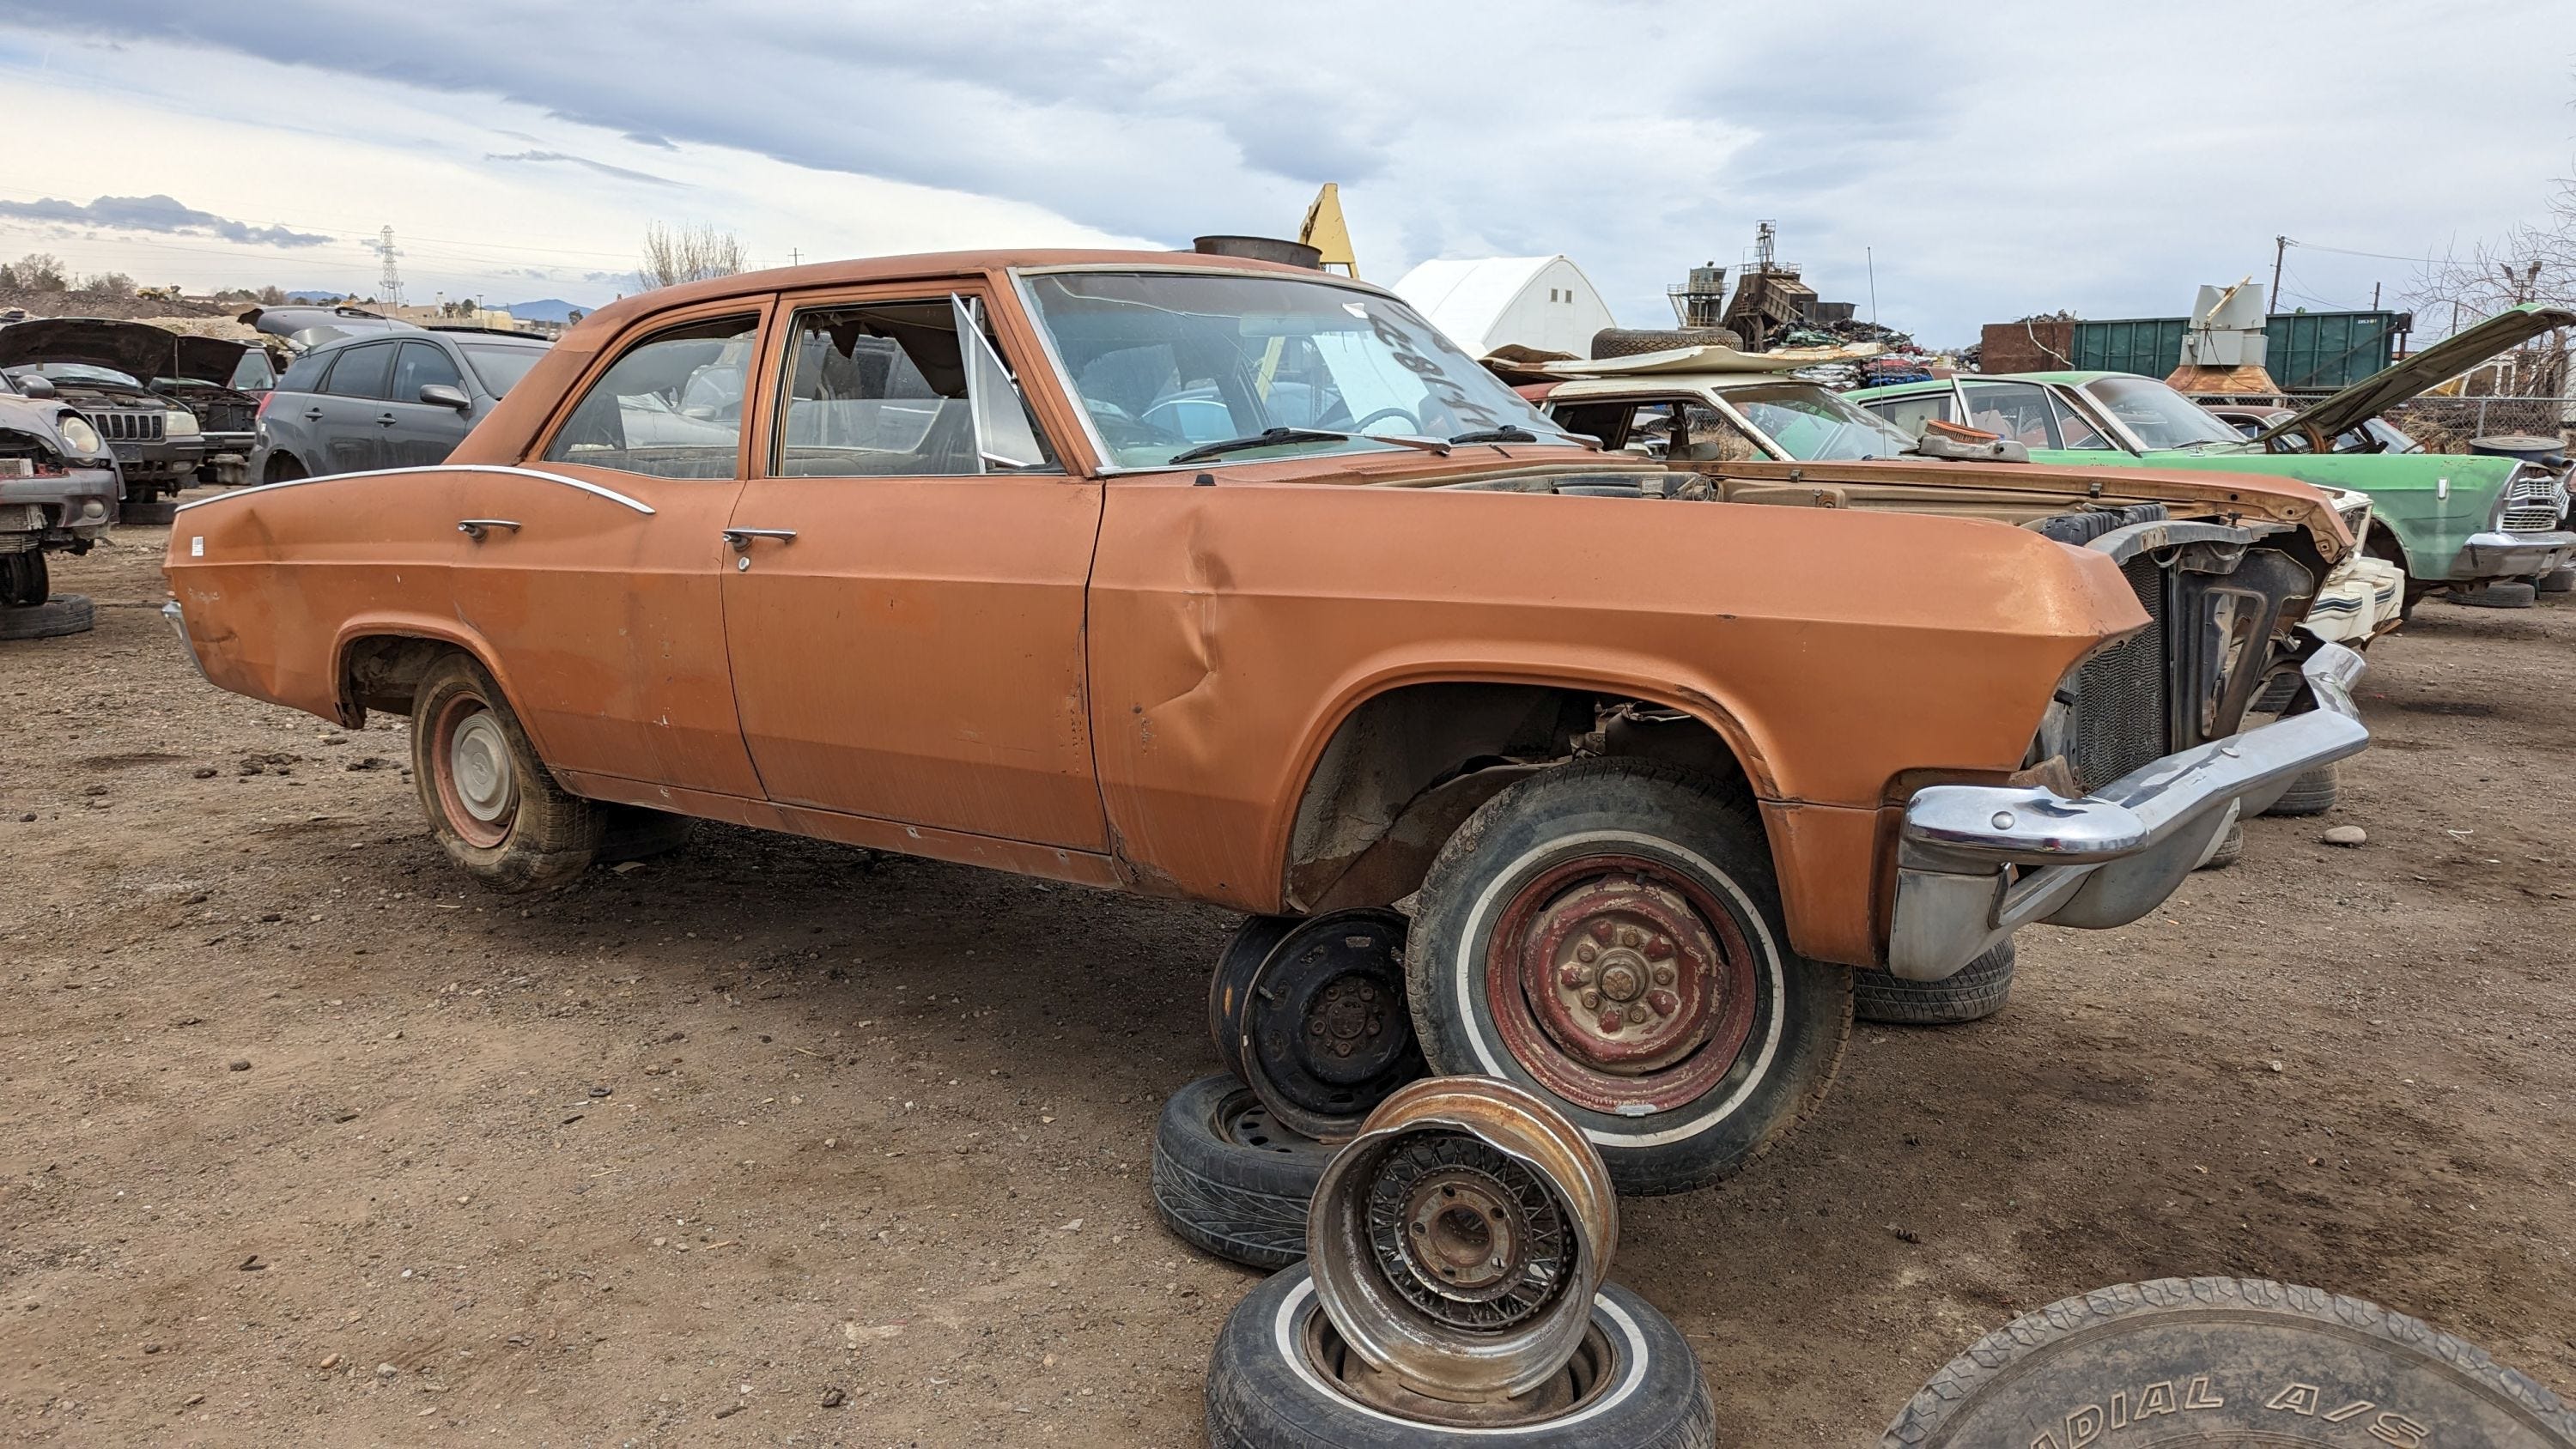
(2280, 249)
(1870, 258)
(2374, 296)
(795, 258)
(389, 286)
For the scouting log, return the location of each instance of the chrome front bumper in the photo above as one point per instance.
(2513, 555)
(178, 621)
(1976, 862)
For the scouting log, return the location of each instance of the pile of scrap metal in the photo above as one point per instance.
(173, 409)
(1456, 1284)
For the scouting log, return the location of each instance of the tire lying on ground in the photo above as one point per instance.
(2311, 794)
(57, 616)
(2226, 1361)
(1230, 1180)
(2557, 581)
(1978, 991)
(1609, 934)
(2512, 594)
(1281, 1378)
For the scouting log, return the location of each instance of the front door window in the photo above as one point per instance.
(884, 389)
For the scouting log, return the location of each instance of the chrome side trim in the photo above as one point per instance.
(593, 489)
(177, 619)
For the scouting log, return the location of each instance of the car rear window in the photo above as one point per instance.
(361, 371)
(304, 374)
(499, 364)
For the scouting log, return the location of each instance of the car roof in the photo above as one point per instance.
(2069, 379)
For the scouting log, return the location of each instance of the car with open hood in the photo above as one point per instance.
(171, 406)
(2452, 522)
(1217, 579)
(58, 487)
(1714, 407)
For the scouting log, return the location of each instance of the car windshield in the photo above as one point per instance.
(2159, 416)
(499, 364)
(2378, 435)
(77, 372)
(1814, 425)
(1166, 363)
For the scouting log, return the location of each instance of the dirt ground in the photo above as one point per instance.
(302, 1139)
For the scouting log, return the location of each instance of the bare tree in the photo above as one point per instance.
(35, 272)
(687, 254)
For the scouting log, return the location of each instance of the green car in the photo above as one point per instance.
(2452, 521)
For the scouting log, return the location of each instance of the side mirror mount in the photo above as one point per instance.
(444, 396)
(36, 384)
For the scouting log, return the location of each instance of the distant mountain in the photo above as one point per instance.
(552, 309)
(307, 298)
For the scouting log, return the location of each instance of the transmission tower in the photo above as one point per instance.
(389, 286)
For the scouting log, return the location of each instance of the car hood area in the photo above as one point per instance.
(2424, 370)
(137, 349)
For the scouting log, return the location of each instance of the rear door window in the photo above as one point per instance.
(1909, 414)
(423, 364)
(2015, 410)
(669, 407)
(362, 371)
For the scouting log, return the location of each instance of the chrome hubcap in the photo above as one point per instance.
(478, 760)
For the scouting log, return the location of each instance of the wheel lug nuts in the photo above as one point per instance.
(1665, 1003)
(1636, 1013)
(1590, 999)
(1601, 932)
(1631, 936)
(1663, 976)
(1610, 1020)
(1586, 952)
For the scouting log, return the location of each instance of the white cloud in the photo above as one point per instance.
(1984, 164)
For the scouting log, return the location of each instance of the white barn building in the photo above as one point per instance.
(1541, 302)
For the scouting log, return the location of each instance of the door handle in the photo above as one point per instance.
(384, 420)
(741, 538)
(312, 415)
(475, 528)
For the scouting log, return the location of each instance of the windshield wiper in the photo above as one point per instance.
(1504, 434)
(1273, 437)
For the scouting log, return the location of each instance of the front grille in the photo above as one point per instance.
(2532, 503)
(2117, 718)
(130, 426)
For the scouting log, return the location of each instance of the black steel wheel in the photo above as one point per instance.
(25, 580)
(2226, 1361)
(1230, 1180)
(1282, 1378)
(1321, 1033)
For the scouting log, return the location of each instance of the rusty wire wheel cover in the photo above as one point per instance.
(1471, 1237)
(467, 740)
(1621, 984)
(1510, 1332)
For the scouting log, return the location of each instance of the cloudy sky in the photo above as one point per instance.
(1988, 161)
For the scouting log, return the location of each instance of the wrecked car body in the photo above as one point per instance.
(171, 406)
(1209, 578)
(58, 489)
(1706, 408)
(2451, 522)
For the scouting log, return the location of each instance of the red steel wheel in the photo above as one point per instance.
(496, 809)
(470, 765)
(1620, 984)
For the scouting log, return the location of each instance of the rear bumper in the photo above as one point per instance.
(1976, 862)
(2512, 555)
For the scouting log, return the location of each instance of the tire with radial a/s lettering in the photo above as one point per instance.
(2225, 1361)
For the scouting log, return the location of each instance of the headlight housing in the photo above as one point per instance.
(79, 436)
(180, 424)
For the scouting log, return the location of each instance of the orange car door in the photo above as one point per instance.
(904, 588)
(595, 568)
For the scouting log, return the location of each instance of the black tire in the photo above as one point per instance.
(2234, 1361)
(2509, 594)
(1228, 985)
(26, 579)
(63, 614)
(1977, 991)
(1266, 1394)
(1632, 341)
(1230, 1181)
(149, 512)
(2228, 849)
(1668, 817)
(637, 832)
(283, 468)
(2311, 794)
(548, 835)
(2561, 580)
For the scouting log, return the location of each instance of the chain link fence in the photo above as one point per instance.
(2446, 424)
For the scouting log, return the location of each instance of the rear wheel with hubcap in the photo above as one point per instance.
(1609, 934)
(493, 804)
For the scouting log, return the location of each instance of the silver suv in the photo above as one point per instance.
(385, 400)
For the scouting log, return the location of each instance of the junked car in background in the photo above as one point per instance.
(385, 398)
(2453, 522)
(58, 489)
(1703, 406)
(105, 369)
(939, 569)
